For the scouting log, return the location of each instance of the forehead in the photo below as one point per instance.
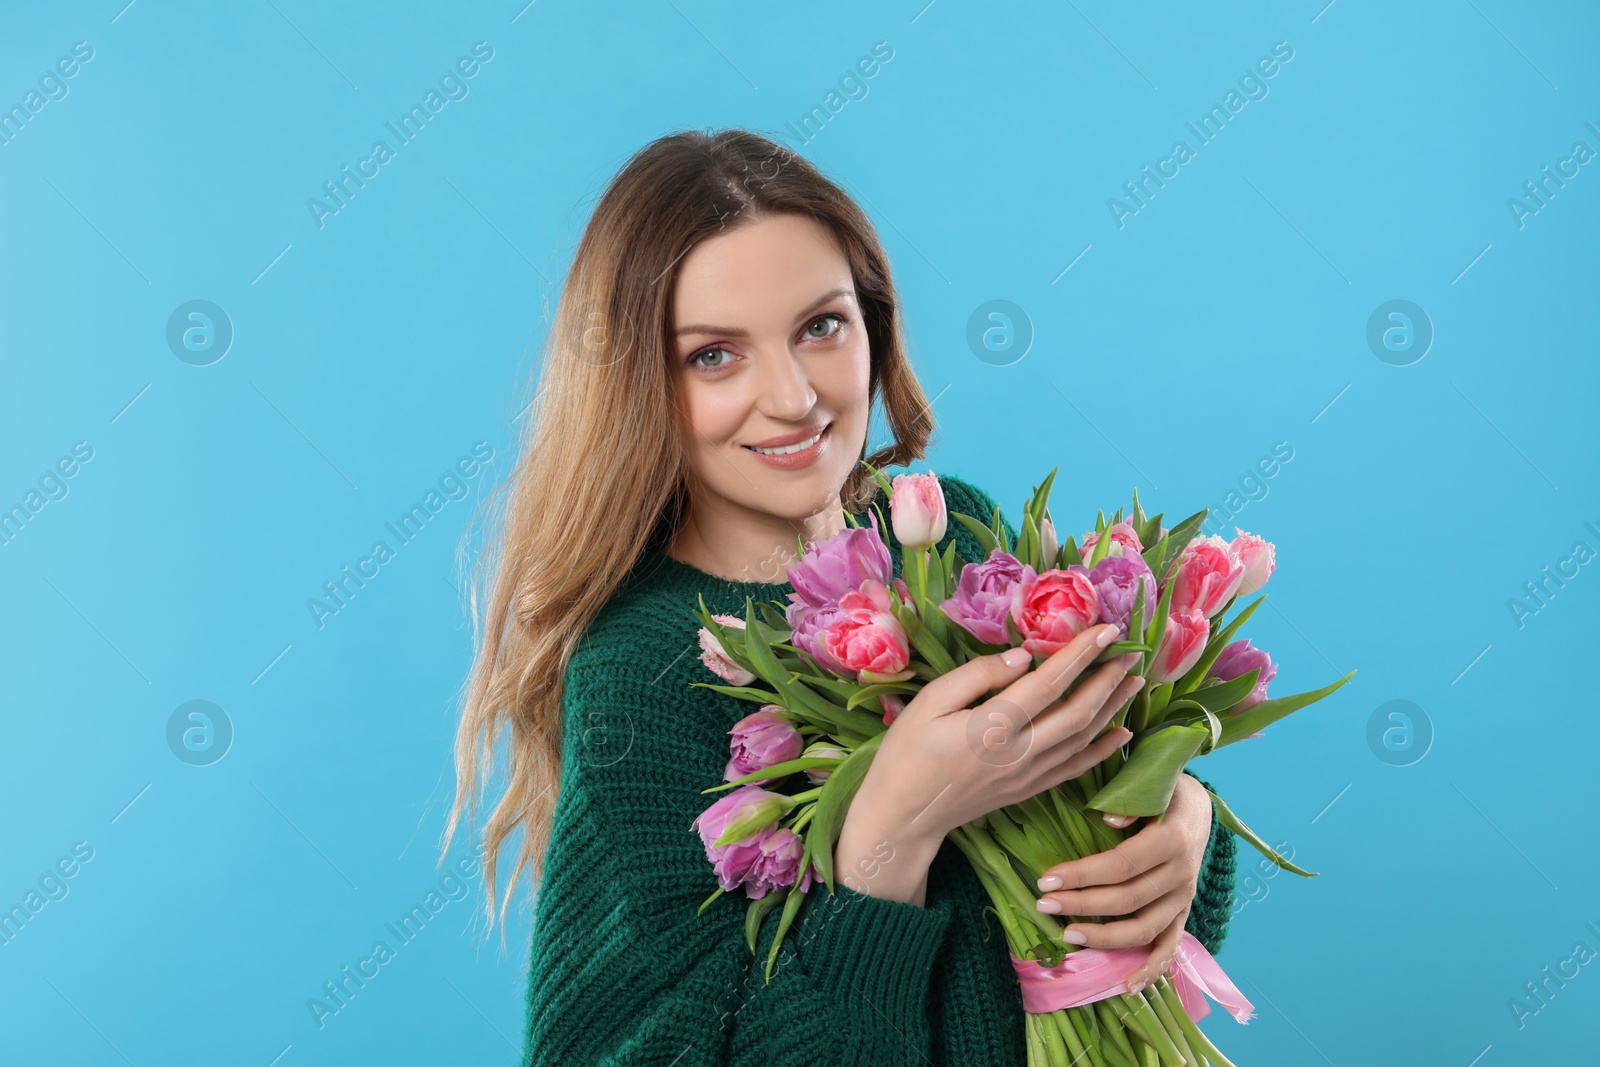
(760, 269)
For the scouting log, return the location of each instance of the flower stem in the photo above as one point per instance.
(1197, 1038)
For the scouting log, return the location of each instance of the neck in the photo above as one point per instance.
(750, 548)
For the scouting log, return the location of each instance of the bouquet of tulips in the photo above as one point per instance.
(854, 644)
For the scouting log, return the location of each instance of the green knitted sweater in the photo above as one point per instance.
(623, 970)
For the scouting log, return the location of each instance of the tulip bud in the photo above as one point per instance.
(917, 511)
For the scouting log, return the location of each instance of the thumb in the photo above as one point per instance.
(1119, 821)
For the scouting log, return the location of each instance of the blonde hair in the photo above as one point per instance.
(568, 515)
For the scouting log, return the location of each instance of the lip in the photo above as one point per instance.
(796, 460)
(789, 438)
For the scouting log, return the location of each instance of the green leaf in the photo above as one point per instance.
(1168, 549)
(838, 789)
(1221, 696)
(1227, 818)
(753, 916)
(792, 905)
(1071, 556)
(980, 533)
(740, 691)
(1136, 619)
(929, 646)
(871, 693)
(888, 489)
(707, 903)
(1158, 626)
(1145, 783)
(777, 770)
(1257, 718)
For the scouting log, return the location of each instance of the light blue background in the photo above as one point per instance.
(1228, 314)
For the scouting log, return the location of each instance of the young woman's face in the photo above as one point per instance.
(770, 345)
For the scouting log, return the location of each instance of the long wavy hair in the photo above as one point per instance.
(602, 447)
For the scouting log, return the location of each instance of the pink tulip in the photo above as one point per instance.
(1123, 539)
(917, 510)
(1052, 608)
(715, 657)
(1182, 644)
(1259, 559)
(1048, 545)
(893, 705)
(1208, 576)
(761, 740)
(859, 639)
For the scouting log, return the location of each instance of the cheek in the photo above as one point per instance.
(714, 415)
(849, 378)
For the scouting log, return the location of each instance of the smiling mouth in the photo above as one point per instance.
(788, 450)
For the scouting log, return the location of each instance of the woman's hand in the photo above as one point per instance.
(944, 762)
(1150, 878)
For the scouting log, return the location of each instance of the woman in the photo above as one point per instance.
(727, 323)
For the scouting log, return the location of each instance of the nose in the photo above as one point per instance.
(786, 393)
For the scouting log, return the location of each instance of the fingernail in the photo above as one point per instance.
(1073, 937)
(1137, 987)
(1108, 635)
(1015, 657)
(1049, 882)
(1049, 907)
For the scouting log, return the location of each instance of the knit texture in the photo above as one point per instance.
(622, 968)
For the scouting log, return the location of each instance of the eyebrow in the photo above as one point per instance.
(729, 331)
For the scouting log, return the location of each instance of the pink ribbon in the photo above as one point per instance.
(1090, 974)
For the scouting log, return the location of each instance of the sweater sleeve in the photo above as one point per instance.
(1214, 893)
(624, 968)
(1214, 896)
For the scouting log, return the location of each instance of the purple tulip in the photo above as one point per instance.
(1239, 659)
(761, 857)
(982, 599)
(833, 567)
(761, 740)
(1116, 580)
